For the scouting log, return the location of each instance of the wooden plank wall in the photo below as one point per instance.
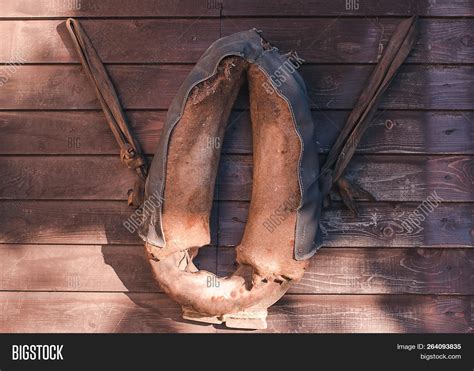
(68, 265)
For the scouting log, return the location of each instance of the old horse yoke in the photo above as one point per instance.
(286, 173)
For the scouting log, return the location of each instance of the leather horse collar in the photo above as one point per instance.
(287, 183)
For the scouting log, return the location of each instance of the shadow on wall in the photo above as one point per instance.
(154, 311)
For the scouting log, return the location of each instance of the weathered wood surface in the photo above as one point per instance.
(92, 312)
(371, 313)
(73, 132)
(387, 177)
(248, 8)
(153, 86)
(67, 263)
(420, 132)
(142, 312)
(317, 40)
(124, 41)
(107, 8)
(315, 8)
(65, 222)
(380, 271)
(70, 222)
(101, 222)
(72, 178)
(117, 268)
(381, 225)
(107, 268)
(86, 132)
(360, 40)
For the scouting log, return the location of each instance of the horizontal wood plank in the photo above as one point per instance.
(71, 132)
(87, 132)
(96, 268)
(370, 313)
(387, 177)
(107, 8)
(378, 224)
(112, 268)
(420, 132)
(414, 87)
(250, 8)
(141, 312)
(72, 177)
(67, 87)
(188, 8)
(360, 40)
(65, 222)
(92, 312)
(101, 222)
(65, 178)
(316, 40)
(123, 41)
(379, 271)
(154, 86)
(71, 222)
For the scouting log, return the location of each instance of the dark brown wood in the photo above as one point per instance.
(115, 268)
(86, 132)
(107, 8)
(415, 87)
(181, 8)
(187, 8)
(387, 177)
(142, 312)
(380, 271)
(92, 312)
(153, 87)
(67, 177)
(67, 87)
(100, 222)
(404, 132)
(317, 40)
(123, 41)
(315, 8)
(69, 222)
(390, 132)
(105, 268)
(359, 40)
(73, 133)
(371, 313)
(67, 264)
(378, 225)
